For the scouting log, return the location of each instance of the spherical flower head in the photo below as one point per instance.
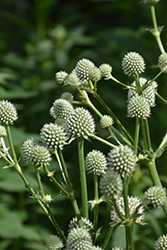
(95, 162)
(73, 79)
(148, 93)
(8, 112)
(161, 243)
(136, 211)
(53, 136)
(2, 131)
(139, 107)
(105, 70)
(87, 224)
(94, 74)
(67, 96)
(79, 239)
(54, 243)
(80, 123)
(111, 184)
(61, 109)
(122, 160)
(156, 195)
(40, 156)
(26, 150)
(47, 199)
(61, 77)
(150, 2)
(133, 64)
(106, 121)
(163, 62)
(82, 69)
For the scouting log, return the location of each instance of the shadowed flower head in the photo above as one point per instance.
(95, 162)
(156, 195)
(2, 131)
(79, 239)
(133, 64)
(8, 112)
(54, 243)
(61, 77)
(122, 160)
(87, 224)
(163, 62)
(80, 123)
(161, 243)
(61, 109)
(106, 121)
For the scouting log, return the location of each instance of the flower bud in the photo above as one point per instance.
(8, 112)
(122, 160)
(163, 61)
(156, 195)
(106, 121)
(54, 243)
(95, 162)
(67, 96)
(94, 74)
(133, 64)
(105, 70)
(61, 77)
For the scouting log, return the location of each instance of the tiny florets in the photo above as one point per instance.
(156, 195)
(133, 64)
(73, 79)
(82, 69)
(135, 207)
(95, 162)
(53, 136)
(122, 160)
(105, 70)
(2, 131)
(8, 112)
(40, 156)
(54, 243)
(161, 243)
(67, 96)
(106, 121)
(94, 74)
(163, 62)
(80, 123)
(111, 184)
(87, 224)
(61, 76)
(138, 106)
(26, 150)
(61, 109)
(79, 239)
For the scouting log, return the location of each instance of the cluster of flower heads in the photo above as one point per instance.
(84, 71)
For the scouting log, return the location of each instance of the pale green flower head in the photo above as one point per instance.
(8, 112)
(54, 243)
(133, 64)
(161, 243)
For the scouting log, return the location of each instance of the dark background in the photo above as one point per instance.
(39, 38)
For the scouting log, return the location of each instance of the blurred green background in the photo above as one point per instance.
(39, 38)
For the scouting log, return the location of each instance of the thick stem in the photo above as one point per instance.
(84, 194)
(96, 197)
(136, 139)
(107, 237)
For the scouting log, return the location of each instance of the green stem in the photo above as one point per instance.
(161, 98)
(103, 141)
(39, 182)
(96, 197)
(80, 142)
(136, 139)
(107, 237)
(156, 32)
(146, 134)
(11, 144)
(63, 171)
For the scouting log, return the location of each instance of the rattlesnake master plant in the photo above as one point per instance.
(87, 224)
(133, 64)
(162, 60)
(8, 112)
(2, 131)
(161, 242)
(61, 108)
(156, 195)
(95, 162)
(54, 243)
(139, 107)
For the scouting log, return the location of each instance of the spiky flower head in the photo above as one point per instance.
(163, 61)
(122, 160)
(95, 162)
(117, 248)
(87, 224)
(105, 70)
(26, 150)
(80, 123)
(82, 69)
(106, 121)
(148, 93)
(150, 2)
(53, 136)
(138, 106)
(61, 76)
(133, 64)
(94, 74)
(8, 112)
(67, 96)
(136, 211)
(79, 239)
(156, 195)
(54, 243)
(111, 184)
(161, 243)
(40, 156)
(73, 79)
(2, 131)
(61, 109)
